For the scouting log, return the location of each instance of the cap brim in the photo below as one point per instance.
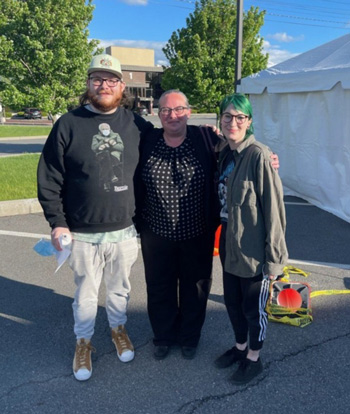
(91, 70)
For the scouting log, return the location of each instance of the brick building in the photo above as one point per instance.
(141, 76)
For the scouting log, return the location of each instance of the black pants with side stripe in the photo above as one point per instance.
(245, 300)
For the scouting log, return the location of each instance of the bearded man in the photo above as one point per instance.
(97, 218)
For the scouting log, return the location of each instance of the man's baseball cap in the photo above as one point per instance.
(106, 63)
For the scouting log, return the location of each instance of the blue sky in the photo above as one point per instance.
(291, 27)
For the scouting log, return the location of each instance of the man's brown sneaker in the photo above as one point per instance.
(82, 365)
(123, 345)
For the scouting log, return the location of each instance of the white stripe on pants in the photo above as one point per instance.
(263, 298)
(92, 262)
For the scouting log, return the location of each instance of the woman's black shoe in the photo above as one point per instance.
(230, 357)
(247, 370)
(161, 351)
(188, 352)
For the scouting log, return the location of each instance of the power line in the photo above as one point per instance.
(312, 7)
(305, 12)
(306, 18)
(174, 5)
(294, 10)
(297, 12)
(308, 24)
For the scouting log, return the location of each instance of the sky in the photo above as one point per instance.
(291, 27)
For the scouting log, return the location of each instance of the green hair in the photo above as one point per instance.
(241, 103)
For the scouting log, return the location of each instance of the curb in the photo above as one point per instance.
(24, 137)
(19, 207)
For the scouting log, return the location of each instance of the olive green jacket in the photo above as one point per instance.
(255, 236)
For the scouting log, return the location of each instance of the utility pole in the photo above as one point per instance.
(239, 37)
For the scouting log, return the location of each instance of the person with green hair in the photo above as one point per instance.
(252, 247)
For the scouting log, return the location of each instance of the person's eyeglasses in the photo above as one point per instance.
(179, 110)
(227, 118)
(97, 81)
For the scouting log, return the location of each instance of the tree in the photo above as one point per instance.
(202, 55)
(44, 52)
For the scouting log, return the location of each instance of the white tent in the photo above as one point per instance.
(301, 109)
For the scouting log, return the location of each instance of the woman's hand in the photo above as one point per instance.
(215, 129)
(275, 161)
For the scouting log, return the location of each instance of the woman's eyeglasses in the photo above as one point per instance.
(179, 110)
(227, 118)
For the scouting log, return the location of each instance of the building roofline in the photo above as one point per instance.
(136, 68)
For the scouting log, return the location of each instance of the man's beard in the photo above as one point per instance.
(102, 106)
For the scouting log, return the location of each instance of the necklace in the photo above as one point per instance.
(173, 142)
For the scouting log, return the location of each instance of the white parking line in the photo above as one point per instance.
(323, 264)
(293, 203)
(305, 262)
(15, 319)
(22, 234)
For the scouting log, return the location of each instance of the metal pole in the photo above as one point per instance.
(239, 37)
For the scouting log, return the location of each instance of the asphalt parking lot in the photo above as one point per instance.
(305, 369)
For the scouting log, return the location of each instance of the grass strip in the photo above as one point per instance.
(18, 177)
(23, 131)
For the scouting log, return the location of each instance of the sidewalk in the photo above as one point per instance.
(18, 207)
(21, 138)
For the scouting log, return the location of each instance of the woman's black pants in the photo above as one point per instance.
(178, 277)
(245, 301)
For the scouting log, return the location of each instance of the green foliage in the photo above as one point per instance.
(7, 131)
(44, 52)
(18, 177)
(202, 55)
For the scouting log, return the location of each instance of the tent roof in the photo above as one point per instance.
(318, 69)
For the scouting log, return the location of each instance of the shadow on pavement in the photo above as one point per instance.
(316, 235)
(20, 148)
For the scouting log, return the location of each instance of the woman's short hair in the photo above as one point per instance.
(164, 94)
(240, 103)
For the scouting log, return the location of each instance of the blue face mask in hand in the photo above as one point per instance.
(44, 248)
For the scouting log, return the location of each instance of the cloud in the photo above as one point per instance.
(162, 62)
(285, 38)
(276, 54)
(159, 56)
(135, 2)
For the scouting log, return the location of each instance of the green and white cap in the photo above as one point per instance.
(106, 63)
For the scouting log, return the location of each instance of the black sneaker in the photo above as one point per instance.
(188, 352)
(246, 371)
(230, 357)
(161, 351)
